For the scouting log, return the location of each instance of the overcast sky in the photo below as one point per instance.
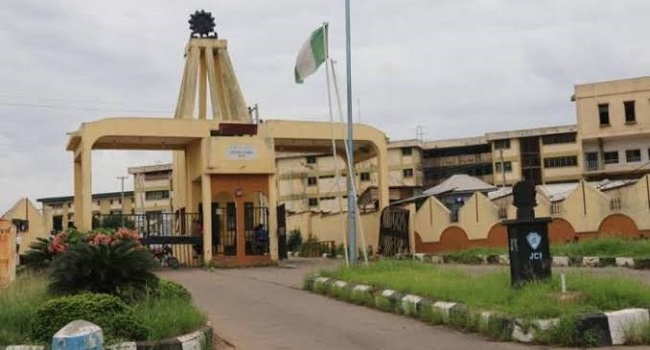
(458, 68)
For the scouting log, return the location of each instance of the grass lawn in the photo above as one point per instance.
(164, 317)
(492, 291)
(601, 247)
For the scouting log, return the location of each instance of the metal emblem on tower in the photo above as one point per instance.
(202, 25)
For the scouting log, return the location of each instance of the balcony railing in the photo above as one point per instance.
(591, 166)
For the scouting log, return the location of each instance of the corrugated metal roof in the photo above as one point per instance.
(459, 183)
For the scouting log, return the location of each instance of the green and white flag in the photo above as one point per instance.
(312, 54)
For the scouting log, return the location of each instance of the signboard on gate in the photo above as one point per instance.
(242, 152)
(7, 253)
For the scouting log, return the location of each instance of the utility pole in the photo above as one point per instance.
(122, 178)
(352, 196)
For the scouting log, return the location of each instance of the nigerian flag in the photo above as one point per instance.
(312, 54)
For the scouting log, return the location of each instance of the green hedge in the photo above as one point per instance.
(116, 318)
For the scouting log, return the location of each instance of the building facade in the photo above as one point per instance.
(152, 188)
(614, 127)
(58, 212)
(307, 182)
(541, 155)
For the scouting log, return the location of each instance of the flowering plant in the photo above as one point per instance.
(62, 241)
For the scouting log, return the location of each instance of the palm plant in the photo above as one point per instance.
(117, 267)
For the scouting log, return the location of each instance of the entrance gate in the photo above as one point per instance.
(394, 231)
(159, 231)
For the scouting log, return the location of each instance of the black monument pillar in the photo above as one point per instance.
(528, 245)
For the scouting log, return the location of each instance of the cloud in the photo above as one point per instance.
(456, 68)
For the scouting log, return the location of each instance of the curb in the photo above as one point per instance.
(558, 261)
(599, 329)
(193, 341)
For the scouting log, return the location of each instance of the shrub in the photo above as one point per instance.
(117, 319)
(294, 241)
(38, 256)
(169, 317)
(169, 290)
(103, 265)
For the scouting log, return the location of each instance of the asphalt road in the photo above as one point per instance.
(263, 308)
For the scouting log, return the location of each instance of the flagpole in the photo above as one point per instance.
(352, 197)
(334, 152)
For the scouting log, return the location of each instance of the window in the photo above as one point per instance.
(311, 181)
(97, 202)
(506, 165)
(153, 195)
(111, 202)
(603, 113)
(560, 162)
(311, 160)
(559, 138)
(365, 176)
(326, 177)
(630, 113)
(407, 172)
(502, 144)
(313, 202)
(157, 175)
(633, 155)
(69, 205)
(407, 151)
(119, 201)
(611, 157)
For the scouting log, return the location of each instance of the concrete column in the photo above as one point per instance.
(412, 210)
(206, 198)
(83, 190)
(273, 218)
(77, 194)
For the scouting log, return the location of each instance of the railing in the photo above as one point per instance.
(152, 224)
(556, 208)
(318, 248)
(591, 166)
(182, 232)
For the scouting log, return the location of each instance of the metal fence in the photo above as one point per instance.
(315, 249)
(183, 232)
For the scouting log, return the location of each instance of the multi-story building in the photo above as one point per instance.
(542, 155)
(152, 188)
(306, 182)
(59, 211)
(442, 159)
(614, 127)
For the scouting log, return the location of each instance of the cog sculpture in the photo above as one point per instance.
(202, 25)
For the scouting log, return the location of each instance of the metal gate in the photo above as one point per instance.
(282, 232)
(394, 231)
(256, 230)
(180, 231)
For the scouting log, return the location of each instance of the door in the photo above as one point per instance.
(591, 161)
(282, 232)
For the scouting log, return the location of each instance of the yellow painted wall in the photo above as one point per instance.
(25, 210)
(585, 208)
(432, 218)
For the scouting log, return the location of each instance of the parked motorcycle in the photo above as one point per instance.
(166, 257)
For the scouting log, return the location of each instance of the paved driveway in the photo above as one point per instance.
(263, 308)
